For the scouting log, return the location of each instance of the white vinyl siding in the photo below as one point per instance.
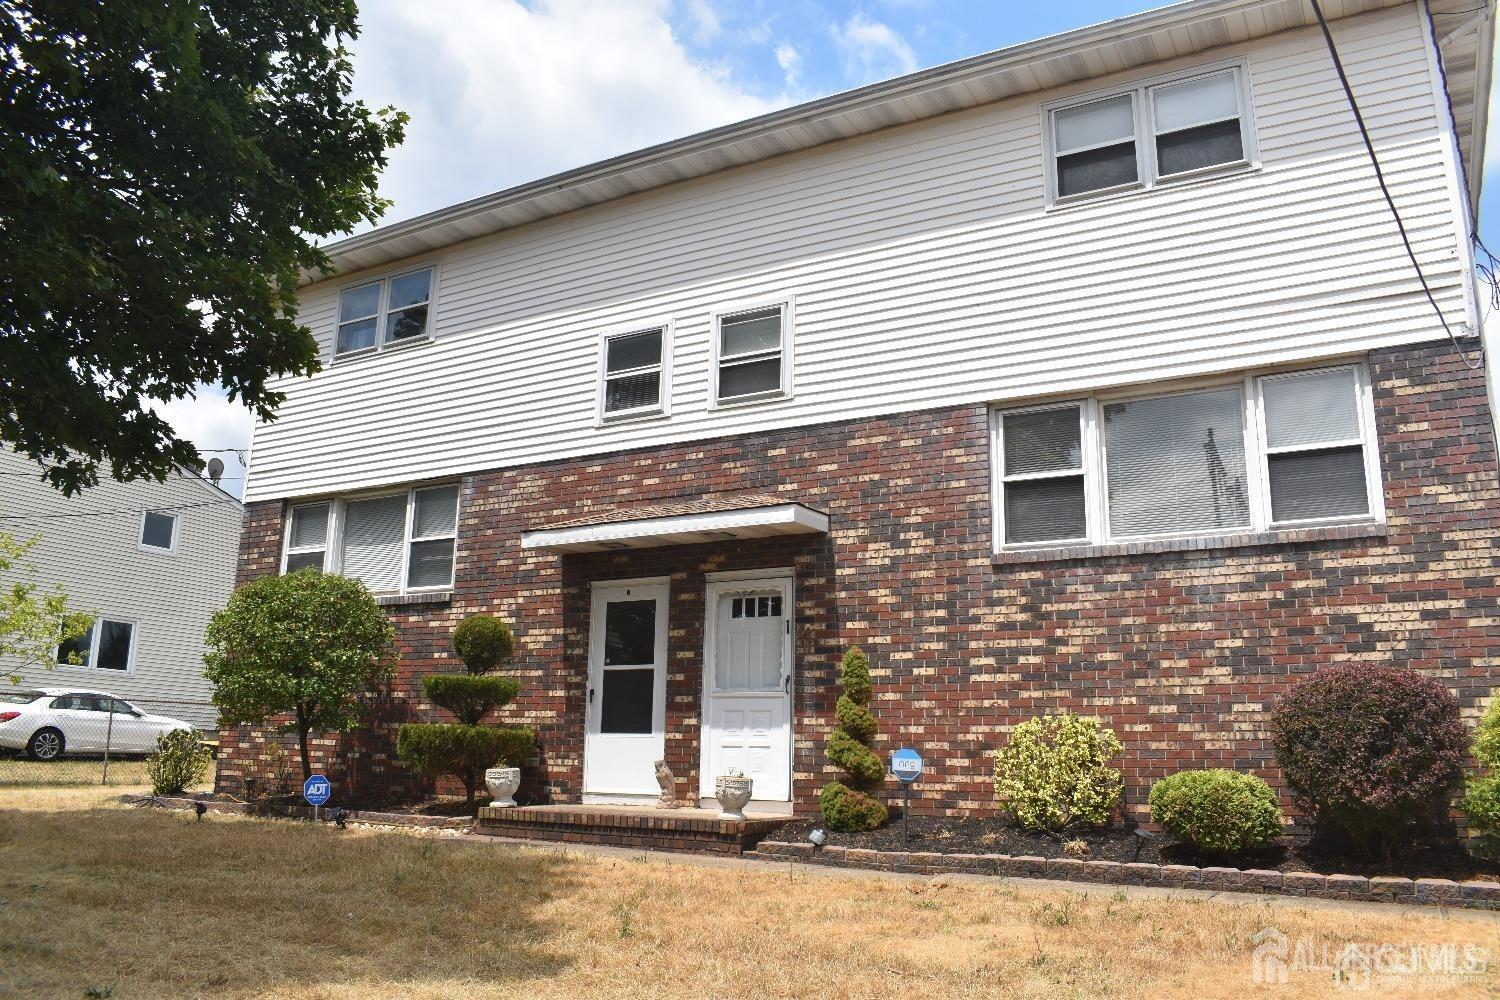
(928, 273)
(388, 311)
(1225, 457)
(392, 542)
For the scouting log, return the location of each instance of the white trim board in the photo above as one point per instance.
(754, 522)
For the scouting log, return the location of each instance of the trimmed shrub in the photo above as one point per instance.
(180, 760)
(1217, 811)
(1481, 801)
(483, 643)
(468, 696)
(1368, 751)
(1054, 773)
(465, 751)
(848, 804)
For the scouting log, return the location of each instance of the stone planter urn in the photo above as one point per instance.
(502, 783)
(733, 792)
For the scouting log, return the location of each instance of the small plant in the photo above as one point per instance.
(1076, 848)
(1368, 751)
(1054, 774)
(1217, 811)
(180, 760)
(1481, 801)
(847, 804)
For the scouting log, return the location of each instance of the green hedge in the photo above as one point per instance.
(468, 696)
(1218, 811)
(436, 748)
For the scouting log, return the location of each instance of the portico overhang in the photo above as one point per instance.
(687, 523)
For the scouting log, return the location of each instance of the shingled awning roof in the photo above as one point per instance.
(682, 522)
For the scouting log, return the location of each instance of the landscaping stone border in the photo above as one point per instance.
(299, 812)
(1472, 894)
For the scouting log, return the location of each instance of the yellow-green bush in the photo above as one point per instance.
(1481, 801)
(1054, 774)
(1218, 811)
(180, 760)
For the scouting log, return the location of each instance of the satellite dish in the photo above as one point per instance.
(215, 470)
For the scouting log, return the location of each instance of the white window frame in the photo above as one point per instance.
(94, 631)
(333, 552)
(1252, 427)
(140, 538)
(663, 368)
(787, 305)
(382, 310)
(1145, 134)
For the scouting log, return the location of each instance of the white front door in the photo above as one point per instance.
(748, 684)
(627, 695)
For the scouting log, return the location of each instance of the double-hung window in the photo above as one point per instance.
(386, 311)
(633, 380)
(1148, 134)
(1252, 454)
(392, 542)
(109, 644)
(752, 357)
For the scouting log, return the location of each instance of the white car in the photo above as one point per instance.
(48, 723)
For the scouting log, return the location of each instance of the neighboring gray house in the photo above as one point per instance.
(151, 561)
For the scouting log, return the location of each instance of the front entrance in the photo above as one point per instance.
(748, 678)
(627, 694)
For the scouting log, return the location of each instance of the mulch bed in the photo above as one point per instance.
(941, 835)
(440, 806)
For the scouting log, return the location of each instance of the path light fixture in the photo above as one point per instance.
(1141, 836)
(818, 837)
(200, 808)
(340, 816)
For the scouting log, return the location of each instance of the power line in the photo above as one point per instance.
(1385, 190)
(103, 513)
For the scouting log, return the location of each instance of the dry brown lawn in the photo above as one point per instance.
(21, 772)
(136, 903)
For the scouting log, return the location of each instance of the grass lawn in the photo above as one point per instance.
(154, 904)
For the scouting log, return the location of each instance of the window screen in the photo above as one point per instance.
(1197, 124)
(1094, 145)
(1315, 451)
(632, 372)
(1042, 462)
(750, 353)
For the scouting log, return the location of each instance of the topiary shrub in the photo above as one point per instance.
(848, 804)
(1481, 801)
(1367, 751)
(1217, 811)
(469, 697)
(483, 643)
(180, 760)
(463, 751)
(1054, 774)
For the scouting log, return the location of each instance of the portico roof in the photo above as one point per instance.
(684, 522)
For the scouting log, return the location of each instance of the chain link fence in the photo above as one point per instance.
(91, 739)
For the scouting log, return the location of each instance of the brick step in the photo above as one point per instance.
(695, 830)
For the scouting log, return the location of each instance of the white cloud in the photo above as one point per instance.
(872, 50)
(705, 20)
(211, 421)
(500, 93)
(790, 61)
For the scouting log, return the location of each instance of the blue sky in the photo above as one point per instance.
(501, 92)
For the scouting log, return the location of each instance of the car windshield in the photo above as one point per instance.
(19, 697)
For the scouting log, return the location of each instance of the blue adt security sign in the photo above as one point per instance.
(906, 764)
(316, 790)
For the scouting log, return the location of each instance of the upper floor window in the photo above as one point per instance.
(392, 542)
(1253, 454)
(109, 644)
(1148, 134)
(752, 354)
(633, 379)
(390, 310)
(159, 531)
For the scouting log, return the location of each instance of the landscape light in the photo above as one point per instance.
(200, 808)
(340, 816)
(818, 837)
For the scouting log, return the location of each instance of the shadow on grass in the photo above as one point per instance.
(159, 904)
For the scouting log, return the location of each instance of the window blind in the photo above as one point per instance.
(375, 541)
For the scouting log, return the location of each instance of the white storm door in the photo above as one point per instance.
(749, 685)
(627, 693)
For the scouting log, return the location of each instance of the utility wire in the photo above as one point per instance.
(1385, 190)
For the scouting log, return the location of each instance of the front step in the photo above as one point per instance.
(697, 830)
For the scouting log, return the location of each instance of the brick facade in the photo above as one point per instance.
(1182, 651)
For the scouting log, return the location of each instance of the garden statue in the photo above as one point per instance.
(668, 783)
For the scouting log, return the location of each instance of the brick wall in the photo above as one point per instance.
(1182, 652)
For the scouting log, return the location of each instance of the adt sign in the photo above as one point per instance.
(317, 790)
(906, 764)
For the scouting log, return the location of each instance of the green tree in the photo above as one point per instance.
(166, 170)
(33, 622)
(848, 804)
(307, 645)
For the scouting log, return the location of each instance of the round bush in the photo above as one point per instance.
(483, 642)
(1368, 750)
(180, 760)
(1217, 811)
(1054, 775)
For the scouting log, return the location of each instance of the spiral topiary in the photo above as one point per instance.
(847, 805)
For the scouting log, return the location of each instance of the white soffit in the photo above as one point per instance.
(681, 529)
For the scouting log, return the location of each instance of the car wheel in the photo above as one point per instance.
(45, 744)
